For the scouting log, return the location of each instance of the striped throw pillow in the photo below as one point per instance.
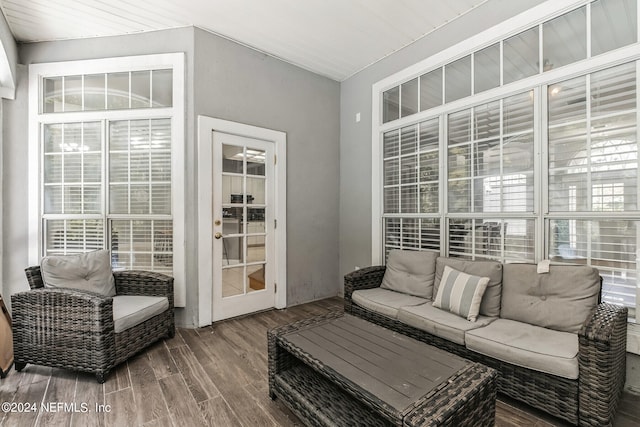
(460, 293)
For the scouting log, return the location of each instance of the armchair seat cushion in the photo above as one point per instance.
(529, 346)
(131, 310)
(439, 322)
(385, 301)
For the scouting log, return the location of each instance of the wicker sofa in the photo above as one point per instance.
(588, 396)
(74, 329)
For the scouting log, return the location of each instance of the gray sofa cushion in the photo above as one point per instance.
(532, 347)
(410, 272)
(384, 301)
(561, 299)
(490, 305)
(131, 310)
(90, 271)
(440, 323)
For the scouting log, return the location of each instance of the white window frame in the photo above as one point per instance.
(534, 16)
(174, 61)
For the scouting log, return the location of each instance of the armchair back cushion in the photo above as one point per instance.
(90, 271)
(490, 305)
(560, 299)
(410, 272)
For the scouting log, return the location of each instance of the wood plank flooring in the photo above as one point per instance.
(213, 376)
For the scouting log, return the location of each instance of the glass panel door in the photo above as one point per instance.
(242, 225)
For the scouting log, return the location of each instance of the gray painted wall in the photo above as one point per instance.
(243, 85)
(224, 80)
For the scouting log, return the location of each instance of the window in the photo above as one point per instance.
(536, 165)
(107, 137)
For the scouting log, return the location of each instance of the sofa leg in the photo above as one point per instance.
(102, 376)
(172, 331)
(19, 366)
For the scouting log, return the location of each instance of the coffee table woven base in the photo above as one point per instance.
(322, 389)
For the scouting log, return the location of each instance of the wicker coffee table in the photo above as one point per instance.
(337, 369)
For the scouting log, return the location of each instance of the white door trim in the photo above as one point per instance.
(206, 126)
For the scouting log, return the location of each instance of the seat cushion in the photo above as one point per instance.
(410, 272)
(561, 299)
(90, 271)
(533, 347)
(439, 322)
(490, 305)
(384, 301)
(131, 310)
(460, 293)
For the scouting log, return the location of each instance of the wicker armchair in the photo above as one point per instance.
(72, 329)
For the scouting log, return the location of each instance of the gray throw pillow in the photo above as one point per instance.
(490, 305)
(410, 272)
(89, 271)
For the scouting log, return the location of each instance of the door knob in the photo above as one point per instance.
(217, 235)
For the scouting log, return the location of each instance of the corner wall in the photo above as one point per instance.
(355, 137)
(227, 81)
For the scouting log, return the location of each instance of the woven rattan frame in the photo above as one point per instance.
(591, 400)
(321, 397)
(72, 329)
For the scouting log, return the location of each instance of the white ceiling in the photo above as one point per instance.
(334, 38)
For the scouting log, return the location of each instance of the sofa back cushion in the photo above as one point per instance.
(560, 299)
(90, 271)
(490, 305)
(410, 272)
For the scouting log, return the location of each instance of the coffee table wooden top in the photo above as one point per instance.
(396, 369)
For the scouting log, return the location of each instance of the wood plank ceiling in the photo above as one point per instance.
(334, 38)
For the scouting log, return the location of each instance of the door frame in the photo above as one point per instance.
(206, 127)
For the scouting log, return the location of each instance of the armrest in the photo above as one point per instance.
(138, 282)
(57, 327)
(365, 278)
(602, 358)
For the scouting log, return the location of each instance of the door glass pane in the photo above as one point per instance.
(521, 56)
(255, 248)
(614, 24)
(255, 161)
(233, 281)
(232, 159)
(565, 39)
(486, 68)
(431, 89)
(256, 190)
(255, 275)
(232, 189)
(232, 250)
(409, 98)
(457, 79)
